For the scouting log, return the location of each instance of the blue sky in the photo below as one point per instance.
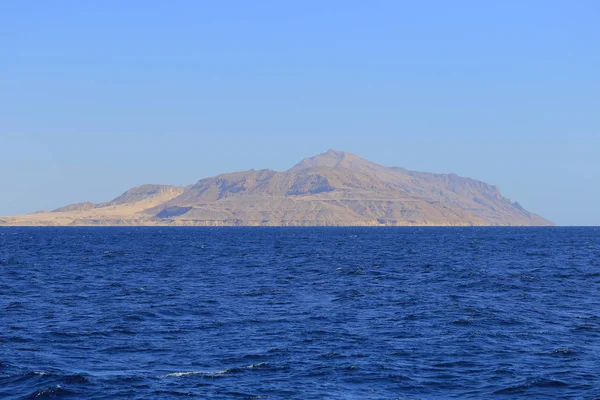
(100, 96)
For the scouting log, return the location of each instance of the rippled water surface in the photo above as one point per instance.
(299, 313)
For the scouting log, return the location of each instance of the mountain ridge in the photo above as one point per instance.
(334, 188)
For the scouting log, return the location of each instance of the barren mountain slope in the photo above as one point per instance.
(124, 210)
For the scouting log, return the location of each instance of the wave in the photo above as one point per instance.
(214, 373)
(539, 383)
(42, 385)
(51, 393)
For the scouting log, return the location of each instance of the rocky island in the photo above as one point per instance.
(331, 189)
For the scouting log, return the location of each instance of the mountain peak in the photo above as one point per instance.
(330, 159)
(334, 153)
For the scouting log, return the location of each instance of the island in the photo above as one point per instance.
(331, 189)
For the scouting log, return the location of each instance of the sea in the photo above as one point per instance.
(299, 313)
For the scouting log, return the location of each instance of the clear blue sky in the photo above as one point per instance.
(100, 96)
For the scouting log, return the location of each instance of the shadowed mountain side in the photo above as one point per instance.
(333, 188)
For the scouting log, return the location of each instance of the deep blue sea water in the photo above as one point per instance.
(299, 313)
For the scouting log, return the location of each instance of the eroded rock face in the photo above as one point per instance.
(330, 189)
(310, 184)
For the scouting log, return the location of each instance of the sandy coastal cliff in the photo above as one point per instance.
(331, 189)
